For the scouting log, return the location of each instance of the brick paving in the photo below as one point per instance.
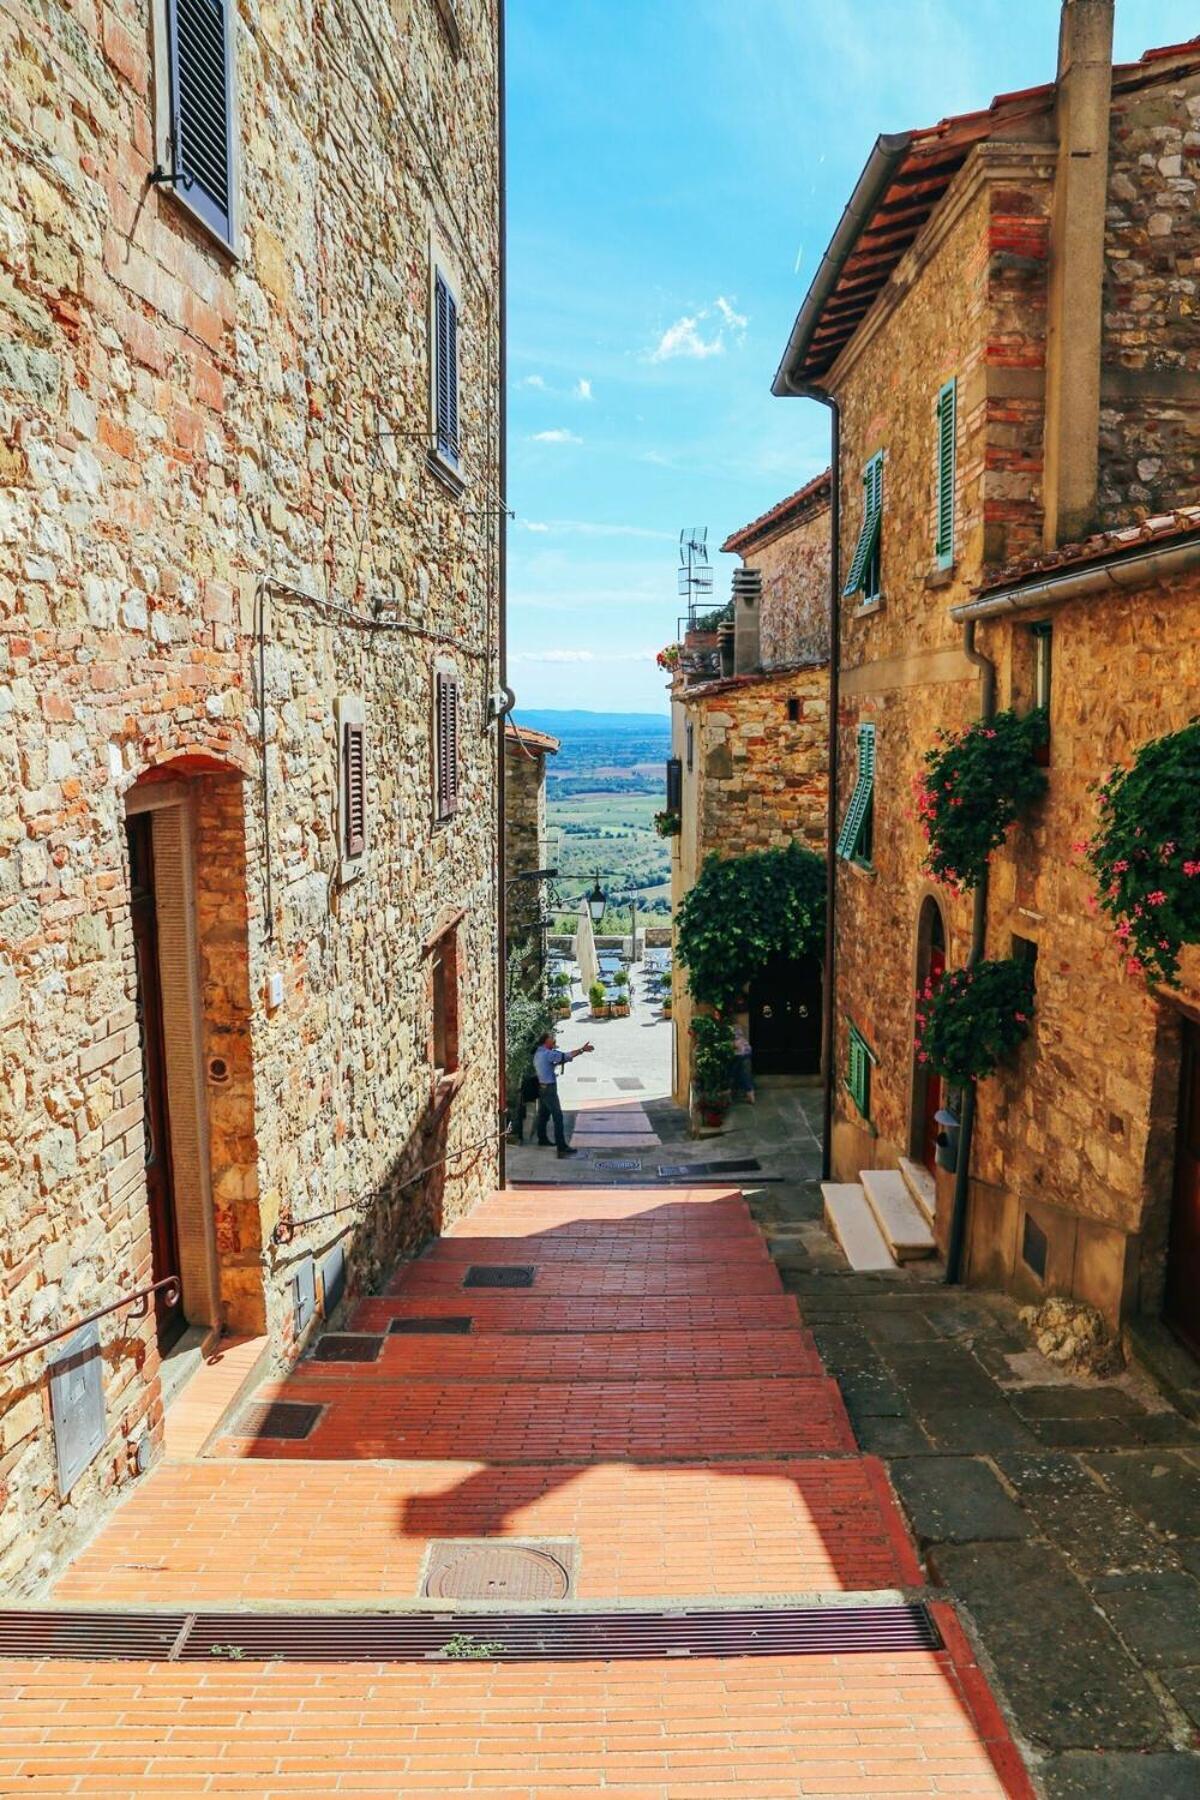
(668, 1414)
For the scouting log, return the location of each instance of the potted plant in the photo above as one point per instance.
(667, 824)
(668, 658)
(619, 1008)
(712, 1068)
(973, 787)
(597, 1001)
(560, 984)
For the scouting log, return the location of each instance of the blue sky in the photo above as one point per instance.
(676, 168)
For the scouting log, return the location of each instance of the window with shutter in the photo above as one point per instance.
(855, 838)
(446, 711)
(200, 57)
(866, 565)
(944, 523)
(354, 793)
(858, 1072)
(445, 374)
(674, 785)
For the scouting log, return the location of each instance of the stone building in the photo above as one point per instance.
(1006, 323)
(526, 846)
(250, 497)
(750, 748)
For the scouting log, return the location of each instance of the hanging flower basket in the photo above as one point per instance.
(972, 788)
(668, 657)
(667, 824)
(1145, 854)
(973, 1019)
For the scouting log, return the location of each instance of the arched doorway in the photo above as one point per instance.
(927, 1087)
(784, 1004)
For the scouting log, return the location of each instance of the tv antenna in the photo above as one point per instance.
(695, 570)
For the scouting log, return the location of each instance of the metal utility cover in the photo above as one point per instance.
(304, 1293)
(628, 1164)
(77, 1405)
(348, 1347)
(630, 1083)
(744, 1166)
(333, 1279)
(499, 1275)
(508, 1573)
(290, 1419)
(450, 1325)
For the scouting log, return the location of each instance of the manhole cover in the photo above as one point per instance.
(278, 1419)
(482, 1569)
(743, 1167)
(627, 1165)
(348, 1346)
(628, 1082)
(452, 1325)
(500, 1275)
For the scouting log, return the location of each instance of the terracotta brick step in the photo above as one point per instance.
(644, 1421)
(561, 1205)
(634, 1247)
(250, 1533)
(528, 1311)
(578, 1356)
(564, 1280)
(516, 1213)
(755, 1728)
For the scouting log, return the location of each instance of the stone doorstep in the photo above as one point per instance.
(852, 1223)
(921, 1186)
(904, 1226)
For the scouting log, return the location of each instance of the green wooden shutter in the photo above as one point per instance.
(858, 1072)
(946, 420)
(850, 835)
(868, 537)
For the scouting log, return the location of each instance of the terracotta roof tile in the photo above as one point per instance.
(516, 735)
(1163, 528)
(780, 516)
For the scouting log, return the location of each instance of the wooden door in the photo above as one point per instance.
(164, 1237)
(931, 1104)
(1181, 1306)
(785, 1017)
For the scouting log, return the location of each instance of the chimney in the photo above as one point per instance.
(1075, 312)
(747, 593)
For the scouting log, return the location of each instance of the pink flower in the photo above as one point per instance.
(1021, 1018)
(1157, 898)
(1119, 868)
(1133, 966)
(1191, 868)
(922, 1058)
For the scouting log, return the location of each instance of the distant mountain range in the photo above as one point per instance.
(594, 724)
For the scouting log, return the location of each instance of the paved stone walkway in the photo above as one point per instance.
(653, 1398)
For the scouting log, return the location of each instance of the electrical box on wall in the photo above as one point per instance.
(275, 989)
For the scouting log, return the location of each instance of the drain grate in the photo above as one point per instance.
(737, 1166)
(421, 1636)
(499, 1275)
(291, 1419)
(630, 1084)
(628, 1165)
(483, 1569)
(451, 1325)
(348, 1347)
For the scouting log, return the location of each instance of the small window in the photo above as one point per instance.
(351, 741)
(856, 838)
(674, 785)
(1042, 633)
(444, 970)
(445, 370)
(200, 110)
(866, 566)
(944, 519)
(691, 745)
(446, 709)
(858, 1072)
(1025, 951)
(793, 711)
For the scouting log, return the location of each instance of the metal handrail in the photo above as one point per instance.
(169, 1287)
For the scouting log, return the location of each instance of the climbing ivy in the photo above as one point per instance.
(744, 910)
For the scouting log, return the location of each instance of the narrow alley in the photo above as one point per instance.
(603, 1526)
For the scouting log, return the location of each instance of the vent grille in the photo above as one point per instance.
(413, 1637)
(290, 1419)
(499, 1275)
(348, 1347)
(451, 1325)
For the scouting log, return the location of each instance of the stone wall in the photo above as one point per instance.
(1150, 417)
(794, 610)
(183, 432)
(525, 845)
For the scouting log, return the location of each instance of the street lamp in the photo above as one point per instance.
(597, 900)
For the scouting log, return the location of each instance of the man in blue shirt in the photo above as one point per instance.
(547, 1061)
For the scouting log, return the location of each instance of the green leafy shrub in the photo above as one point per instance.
(973, 1018)
(667, 824)
(712, 1064)
(1146, 853)
(596, 996)
(744, 910)
(973, 787)
(528, 1017)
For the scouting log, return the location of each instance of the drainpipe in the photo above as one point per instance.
(962, 1167)
(803, 391)
(502, 584)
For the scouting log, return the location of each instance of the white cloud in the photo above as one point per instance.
(555, 437)
(583, 388)
(532, 525)
(533, 381)
(688, 337)
(582, 656)
(591, 529)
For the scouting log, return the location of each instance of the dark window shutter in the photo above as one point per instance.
(201, 58)
(674, 785)
(354, 782)
(944, 546)
(446, 744)
(446, 368)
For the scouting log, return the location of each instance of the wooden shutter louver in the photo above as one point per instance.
(446, 734)
(446, 371)
(354, 788)
(202, 108)
(946, 408)
(865, 551)
(674, 785)
(860, 801)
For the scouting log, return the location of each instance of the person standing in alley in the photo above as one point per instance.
(547, 1061)
(743, 1069)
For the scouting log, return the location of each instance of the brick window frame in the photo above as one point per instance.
(442, 953)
